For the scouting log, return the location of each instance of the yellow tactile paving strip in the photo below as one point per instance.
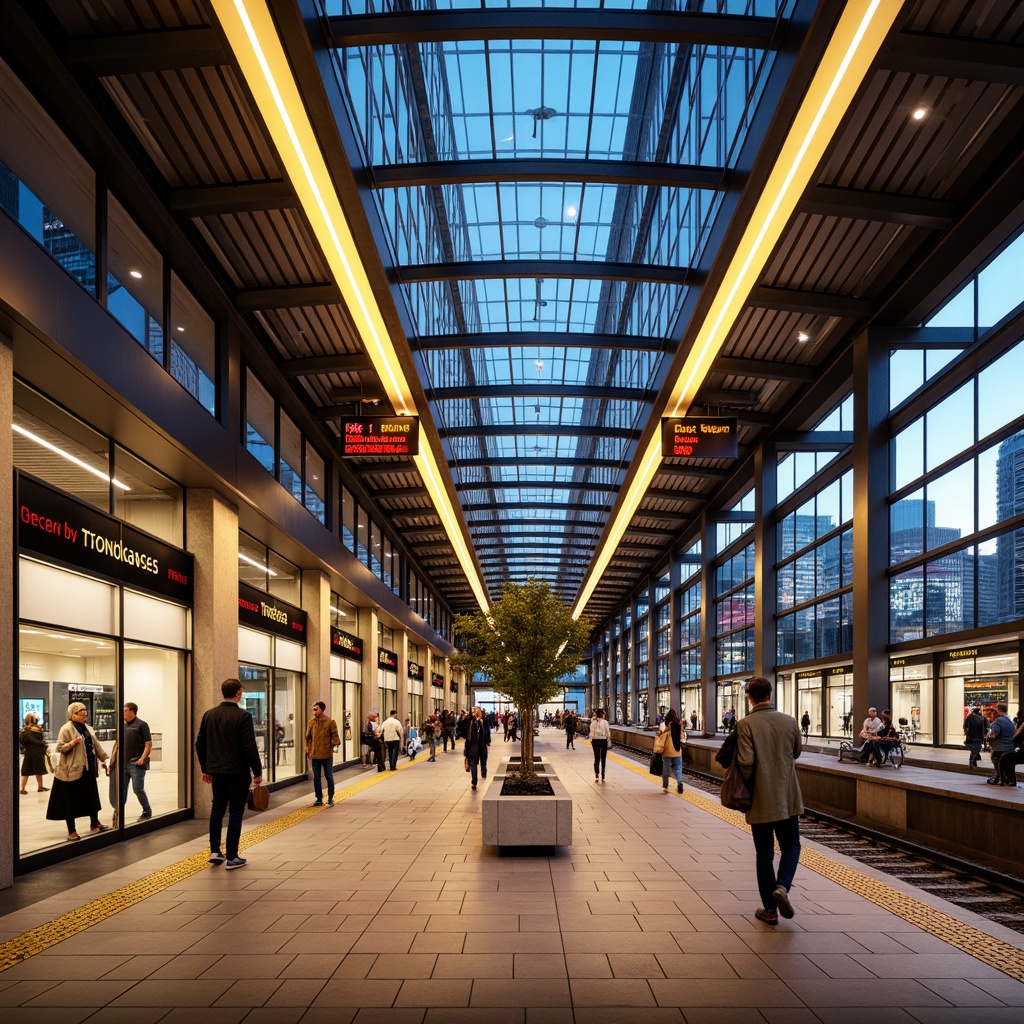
(43, 936)
(989, 950)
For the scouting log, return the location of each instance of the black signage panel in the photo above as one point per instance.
(417, 671)
(705, 438)
(387, 660)
(270, 614)
(454, 687)
(56, 526)
(437, 680)
(381, 435)
(345, 644)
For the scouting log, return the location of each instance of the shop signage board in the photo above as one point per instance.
(437, 680)
(704, 438)
(387, 660)
(270, 614)
(417, 671)
(381, 435)
(63, 529)
(346, 645)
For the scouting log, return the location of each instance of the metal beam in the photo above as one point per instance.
(609, 172)
(402, 492)
(540, 339)
(504, 506)
(813, 441)
(723, 396)
(664, 494)
(681, 28)
(762, 369)
(792, 301)
(287, 297)
(954, 57)
(540, 461)
(576, 270)
(547, 485)
(542, 429)
(884, 208)
(677, 472)
(244, 197)
(548, 525)
(310, 366)
(551, 390)
(565, 544)
(132, 53)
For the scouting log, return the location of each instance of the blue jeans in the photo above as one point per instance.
(229, 793)
(670, 766)
(325, 765)
(788, 834)
(137, 776)
(474, 763)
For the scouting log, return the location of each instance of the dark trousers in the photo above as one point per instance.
(483, 760)
(569, 737)
(393, 746)
(600, 756)
(788, 834)
(1008, 767)
(229, 794)
(325, 765)
(975, 748)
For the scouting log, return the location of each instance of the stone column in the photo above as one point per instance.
(316, 603)
(212, 537)
(8, 676)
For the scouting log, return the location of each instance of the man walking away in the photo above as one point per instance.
(227, 752)
(975, 727)
(767, 746)
(134, 759)
(391, 732)
(321, 740)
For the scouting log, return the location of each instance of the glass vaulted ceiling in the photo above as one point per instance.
(545, 298)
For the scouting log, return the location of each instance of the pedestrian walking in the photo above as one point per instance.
(32, 741)
(134, 760)
(1000, 739)
(672, 755)
(391, 733)
(600, 741)
(228, 756)
(322, 740)
(975, 728)
(75, 792)
(767, 746)
(570, 731)
(478, 739)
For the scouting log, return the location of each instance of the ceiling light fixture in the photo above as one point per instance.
(135, 274)
(255, 564)
(920, 113)
(802, 336)
(847, 60)
(252, 35)
(18, 429)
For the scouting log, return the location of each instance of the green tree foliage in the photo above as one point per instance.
(525, 644)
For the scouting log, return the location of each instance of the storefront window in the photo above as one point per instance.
(151, 501)
(809, 699)
(983, 680)
(840, 703)
(911, 702)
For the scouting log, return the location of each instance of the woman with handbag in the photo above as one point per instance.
(672, 750)
(75, 793)
(33, 746)
(600, 741)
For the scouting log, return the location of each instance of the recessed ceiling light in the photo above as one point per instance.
(802, 336)
(181, 330)
(136, 274)
(920, 114)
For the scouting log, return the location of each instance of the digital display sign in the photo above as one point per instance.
(381, 435)
(706, 438)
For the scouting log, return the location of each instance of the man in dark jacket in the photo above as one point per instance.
(975, 727)
(227, 752)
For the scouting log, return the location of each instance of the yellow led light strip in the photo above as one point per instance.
(861, 30)
(257, 48)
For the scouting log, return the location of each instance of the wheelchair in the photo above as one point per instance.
(894, 755)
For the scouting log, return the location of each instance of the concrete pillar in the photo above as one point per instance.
(765, 543)
(368, 632)
(212, 537)
(8, 676)
(316, 603)
(402, 650)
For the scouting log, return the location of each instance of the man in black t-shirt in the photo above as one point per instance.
(134, 759)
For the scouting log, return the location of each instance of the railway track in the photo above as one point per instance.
(998, 896)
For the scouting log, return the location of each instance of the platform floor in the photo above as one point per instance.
(387, 908)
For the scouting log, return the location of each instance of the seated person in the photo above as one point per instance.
(868, 732)
(887, 738)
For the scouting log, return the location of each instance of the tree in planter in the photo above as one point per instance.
(525, 644)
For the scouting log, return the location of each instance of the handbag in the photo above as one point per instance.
(657, 764)
(258, 798)
(737, 791)
(660, 742)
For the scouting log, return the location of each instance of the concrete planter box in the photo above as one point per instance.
(527, 820)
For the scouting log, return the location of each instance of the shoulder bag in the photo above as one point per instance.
(258, 799)
(737, 791)
(657, 764)
(660, 742)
